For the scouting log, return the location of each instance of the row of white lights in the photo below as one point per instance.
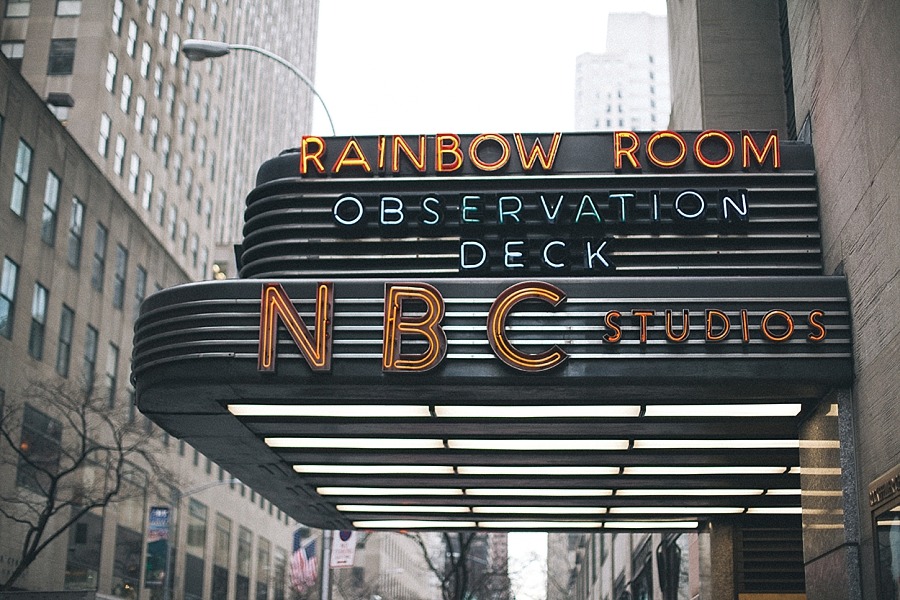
(355, 411)
(525, 412)
(519, 444)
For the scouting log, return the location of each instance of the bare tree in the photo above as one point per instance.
(73, 454)
(464, 570)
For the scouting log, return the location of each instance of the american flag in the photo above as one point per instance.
(304, 567)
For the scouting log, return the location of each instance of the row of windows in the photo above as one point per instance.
(37, 332)
(49, 217)
(22, 8)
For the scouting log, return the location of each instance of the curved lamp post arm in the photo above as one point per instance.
(197, 50)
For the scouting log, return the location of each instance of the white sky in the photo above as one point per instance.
(466, 66)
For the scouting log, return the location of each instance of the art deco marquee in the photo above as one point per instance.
(573, 331)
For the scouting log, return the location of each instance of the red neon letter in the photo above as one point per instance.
(537, 152)
(496, 325)
(276, 304)
(428, 325)
(345, 160)
(629, 152)
(417, 161)
(497, 164)
(306, 156)
(447, 143)
(748, 145)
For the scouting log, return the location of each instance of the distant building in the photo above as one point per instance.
(626, 87)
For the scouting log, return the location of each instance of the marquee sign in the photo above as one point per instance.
(425, 323)
(520, 206)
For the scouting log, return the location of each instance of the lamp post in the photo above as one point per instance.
(198, 50)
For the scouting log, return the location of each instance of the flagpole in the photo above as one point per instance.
(325, 593)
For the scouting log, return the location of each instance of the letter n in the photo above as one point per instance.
(277, 305)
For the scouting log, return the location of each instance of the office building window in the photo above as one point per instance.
(41, 436)
(129, 539)
(21, 178)
(76, 231)
(89, 366)
(119, 159)
(163, 29)
(118, 299)
(263, 551)
(166, 147)
(160, 206)
(170, 98)
(14, 51)
(51, 205)
(117, 17)
(191, 19)
(18, 8)
(157, 80)
(38, 322)
(103, 141)
(183, 236)
(68, 8)
(125, 98)
(176, 46)
(112, 374)
(112, 65)
(98, 267)
(177, 167)
(179, 6)
(140, 290)
(134, 172)
(131, 41)
(146, 57)
(62, 57)
(188, 184)
(140, 108)
(195, 248)
(173, 218)
(199, 202)
(221, 557)
(196, 88)
(148, 190)
(154, 132)
(279, 575)
(202, 151)
(244, 563)
(207, 213)
(204, 262)
(182, 113)
(151, 11)
(195, 551)
(207, 97)
(8, 283)
(64, 348)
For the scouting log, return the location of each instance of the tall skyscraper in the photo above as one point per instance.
(626, 87)
(181, 141)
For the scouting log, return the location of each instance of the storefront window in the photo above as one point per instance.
(83, 556)
(887, 542)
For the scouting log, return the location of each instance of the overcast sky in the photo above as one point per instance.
(467, 66)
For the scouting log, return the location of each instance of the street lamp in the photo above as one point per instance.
(197, 50)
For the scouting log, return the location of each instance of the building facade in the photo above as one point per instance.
(820, 73)
(625, 88)
(180, 141)
(120, 164)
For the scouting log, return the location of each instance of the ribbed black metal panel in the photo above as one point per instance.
(204, 321)
(291, 231)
